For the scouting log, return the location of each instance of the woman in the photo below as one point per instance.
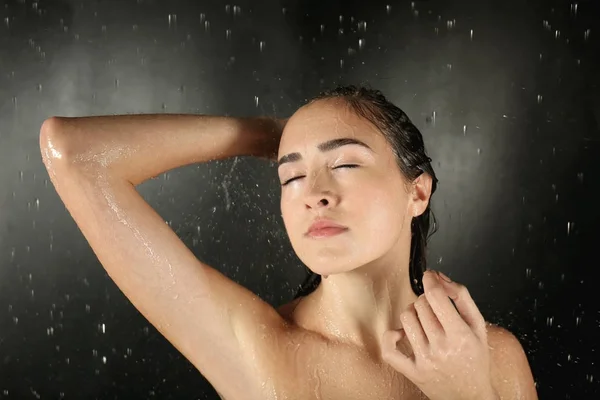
(356, 185)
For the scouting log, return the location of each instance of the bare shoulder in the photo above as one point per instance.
(511, 373)
(286, 310)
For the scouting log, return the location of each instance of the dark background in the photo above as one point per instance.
(505, 93)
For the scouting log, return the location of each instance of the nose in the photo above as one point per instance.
(320, 193)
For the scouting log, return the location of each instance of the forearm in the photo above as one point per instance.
(142, 146)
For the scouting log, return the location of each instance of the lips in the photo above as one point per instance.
(325, 226)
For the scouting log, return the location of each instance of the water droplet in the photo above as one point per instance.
(557, 34)
(202, 17)
(361, 43)
(586, 34)
(570, 226)
(228, 34)
(471, 34)
(283, 10)
(464, 130)
(580, 177)
(261, 45)
(539, 98)
(546, 24)
(388, 9)
(322, 28)
(256, 101)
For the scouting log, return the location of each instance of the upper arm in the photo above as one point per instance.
(221, 327)
(511, 374)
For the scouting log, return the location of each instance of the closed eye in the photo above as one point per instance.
(302, 176)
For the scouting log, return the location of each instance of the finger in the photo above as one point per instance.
(414, 331)
(429, 321)
(438, 297)
(464, 304)
(389, 352)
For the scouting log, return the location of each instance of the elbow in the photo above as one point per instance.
(50, 125)
(48, 131)
(51, 142)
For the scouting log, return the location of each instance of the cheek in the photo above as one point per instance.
(383, 212)
(290, 218)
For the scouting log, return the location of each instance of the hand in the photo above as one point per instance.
(451, 358)
(268, 131)
(280, 123)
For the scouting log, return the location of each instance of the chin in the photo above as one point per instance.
(332, 264)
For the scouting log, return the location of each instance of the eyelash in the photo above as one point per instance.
(301, 176)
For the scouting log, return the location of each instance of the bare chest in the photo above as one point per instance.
(306, 366)
(317, 370)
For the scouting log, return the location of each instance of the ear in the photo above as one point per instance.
(420, 193)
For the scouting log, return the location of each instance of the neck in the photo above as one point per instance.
(360, 305)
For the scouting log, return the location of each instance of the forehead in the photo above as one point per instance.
(324, 120)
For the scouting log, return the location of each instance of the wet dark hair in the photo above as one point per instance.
(409, 149)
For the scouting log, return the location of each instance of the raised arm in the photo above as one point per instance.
(225, 330)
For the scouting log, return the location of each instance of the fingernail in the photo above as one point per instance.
(444, 277)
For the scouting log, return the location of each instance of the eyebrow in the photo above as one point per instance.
(325, 146)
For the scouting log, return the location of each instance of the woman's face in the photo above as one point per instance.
(371, 200)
